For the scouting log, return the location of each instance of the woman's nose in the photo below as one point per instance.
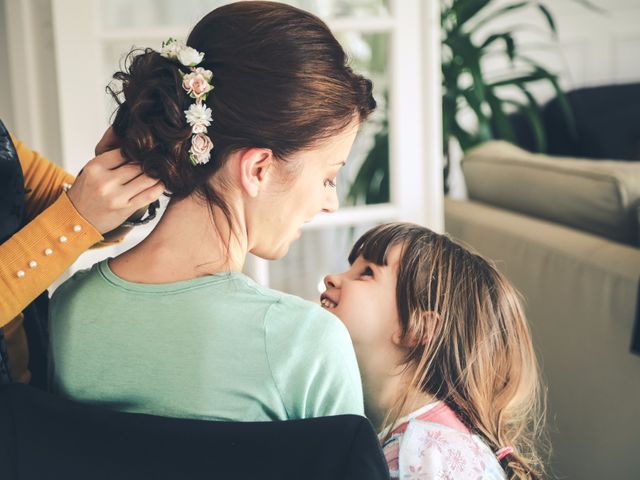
(331, 203)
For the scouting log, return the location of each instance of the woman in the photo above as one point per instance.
(173, 327)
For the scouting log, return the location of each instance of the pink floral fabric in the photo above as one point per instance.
(433, 444)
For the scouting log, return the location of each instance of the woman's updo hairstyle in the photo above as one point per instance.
(281, 81)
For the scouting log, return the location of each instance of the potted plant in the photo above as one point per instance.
(467, 86)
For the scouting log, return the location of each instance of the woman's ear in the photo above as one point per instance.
(254, 163)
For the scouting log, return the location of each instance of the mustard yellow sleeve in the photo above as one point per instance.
(43, 179)
(39, 253)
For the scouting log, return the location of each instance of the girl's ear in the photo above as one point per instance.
(254, 163)
(420, 332)
(396, 338)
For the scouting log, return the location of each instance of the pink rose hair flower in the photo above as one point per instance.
(200, 151)
(197, 85)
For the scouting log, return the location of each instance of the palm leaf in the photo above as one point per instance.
(549, 18)
(463, 10)
(501, 126)
(371, 184)
(498, 13)
(508, 39)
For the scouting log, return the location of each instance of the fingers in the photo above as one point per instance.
(126, 173)
(147, 196)
(121, 171)
(109, 160)
(138, 185)
(121, 180)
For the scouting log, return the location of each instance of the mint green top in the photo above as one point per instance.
(218, 347)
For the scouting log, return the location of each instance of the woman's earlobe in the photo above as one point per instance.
(254, 166)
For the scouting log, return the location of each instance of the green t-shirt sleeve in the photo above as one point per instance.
(312, 361)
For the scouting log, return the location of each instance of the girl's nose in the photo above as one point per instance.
(332, 281)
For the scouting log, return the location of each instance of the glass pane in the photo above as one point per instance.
(365, 177)
(149, 13)
(314, 255)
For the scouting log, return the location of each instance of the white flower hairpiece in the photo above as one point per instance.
(197, 85)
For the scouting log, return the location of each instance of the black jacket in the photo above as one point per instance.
(12, 219)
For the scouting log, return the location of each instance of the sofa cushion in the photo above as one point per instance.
(600, 197)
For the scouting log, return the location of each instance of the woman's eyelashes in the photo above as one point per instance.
(330, 183)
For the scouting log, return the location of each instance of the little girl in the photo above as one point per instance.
(449, 372)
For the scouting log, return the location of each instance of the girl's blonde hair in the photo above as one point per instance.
(467, 340)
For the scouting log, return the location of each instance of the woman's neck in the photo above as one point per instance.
(187, 243)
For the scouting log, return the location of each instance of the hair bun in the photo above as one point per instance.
(150, 120)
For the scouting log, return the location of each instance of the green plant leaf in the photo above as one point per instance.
(466, 9)
(498, 13)
(533, 76)
(371, 184)
(549, 18)
(500, 124)
(467, 140)
(508, 40)
(566, 108)
(532, 111)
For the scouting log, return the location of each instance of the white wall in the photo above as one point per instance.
(6, 106)
(593, 48)
(28, 75)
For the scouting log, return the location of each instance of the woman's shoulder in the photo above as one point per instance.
(81, 280)
(297, 315)
(312, 360)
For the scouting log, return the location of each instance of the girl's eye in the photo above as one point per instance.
(367, 272)
(330, 183)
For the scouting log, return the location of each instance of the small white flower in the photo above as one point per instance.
(189, 57)
(198, 115)
(170, 48)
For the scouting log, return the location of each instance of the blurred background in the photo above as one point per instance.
(512, 125)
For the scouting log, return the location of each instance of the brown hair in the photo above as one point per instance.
(468, 342)
(281, 82)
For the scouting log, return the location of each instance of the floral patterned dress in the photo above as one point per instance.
(433, 444)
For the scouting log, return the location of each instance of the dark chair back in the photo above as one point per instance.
(47, 437)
